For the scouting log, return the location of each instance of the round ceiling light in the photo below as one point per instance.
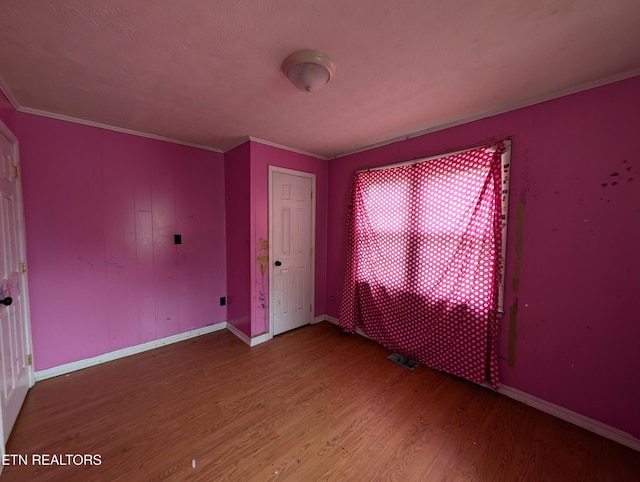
(308, 70)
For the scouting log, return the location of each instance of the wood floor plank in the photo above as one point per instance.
(311, 404)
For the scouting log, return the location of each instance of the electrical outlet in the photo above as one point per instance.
(223, 300)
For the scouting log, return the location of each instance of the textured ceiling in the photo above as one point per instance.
(207, 72)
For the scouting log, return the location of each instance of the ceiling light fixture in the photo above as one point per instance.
(308, 70)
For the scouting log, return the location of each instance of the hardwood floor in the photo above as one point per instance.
(311, 404)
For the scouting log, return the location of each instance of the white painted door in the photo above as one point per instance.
(16, 372)
(291, 242)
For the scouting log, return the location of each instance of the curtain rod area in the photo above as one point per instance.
(507, 142)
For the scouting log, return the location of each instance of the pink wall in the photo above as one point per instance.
(102, 207)
(262, 156)
(238, 237)
(101, 211)
(571, 332)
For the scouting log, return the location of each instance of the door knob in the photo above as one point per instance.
(278, 263)
(7, 301)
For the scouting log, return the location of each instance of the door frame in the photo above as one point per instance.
(21, 232)
(307, 175)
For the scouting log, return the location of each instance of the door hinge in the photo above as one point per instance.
(29, 359)
(311, 192)
(16, 171)
(23, 268)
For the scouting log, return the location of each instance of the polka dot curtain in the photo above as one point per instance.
(425, 258)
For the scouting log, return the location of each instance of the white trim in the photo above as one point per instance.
(306, 175)
(239, 334)
(557, 411)
(124, 352)
(490, 113)
(572, 417)
(23, 247)
(362, 333)
(285, 148)
(504, 206)
(256, 340)
(331, 319)
(26, 305)
(292, 172)
(335, 321)
(52, 115)
(122, 130)
(23, 305)
(9, 95)
(511, 107)
(243, 140)
(4, 130)
(319, 319)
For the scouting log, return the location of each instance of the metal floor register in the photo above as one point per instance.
(403, 360)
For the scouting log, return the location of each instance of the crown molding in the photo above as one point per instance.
(245, 139)
(241, 140)
(286, 148)
(520, 105)
(108, 127)
(8, 94)
(27, 110)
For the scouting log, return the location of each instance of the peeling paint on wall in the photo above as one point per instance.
(513, 333)
(515, 281)
(517, 244)
(262, 259)
(617, 174)
(262, 255)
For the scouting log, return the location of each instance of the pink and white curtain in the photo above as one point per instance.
(424, 264)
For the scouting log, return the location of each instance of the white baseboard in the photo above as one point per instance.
(131, 350)
(336, 322)
(256, 340)
(562, 413)
(557, 411)
(330, 319)
(574, 418)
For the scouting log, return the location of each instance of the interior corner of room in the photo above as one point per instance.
(135, 241)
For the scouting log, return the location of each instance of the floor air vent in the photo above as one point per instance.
(403, 360)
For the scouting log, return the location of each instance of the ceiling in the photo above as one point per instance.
(207, 72)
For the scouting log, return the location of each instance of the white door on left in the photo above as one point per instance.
(16, 371)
